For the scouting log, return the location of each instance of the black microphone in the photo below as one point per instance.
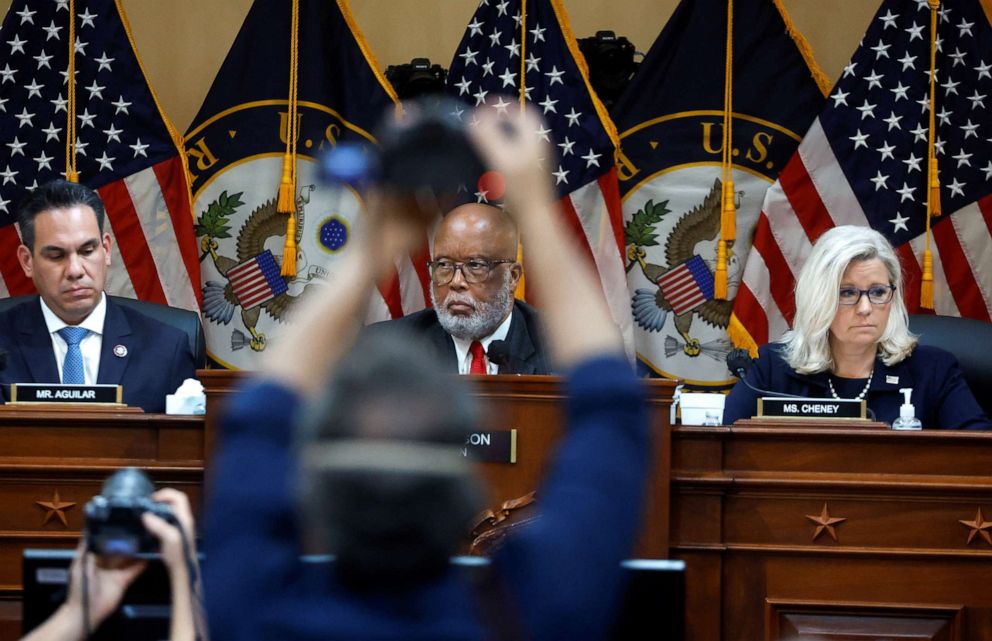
(739, 362)
(499, 354)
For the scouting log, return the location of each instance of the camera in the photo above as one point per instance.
(416, 78)
(425, 149)
(113, 517)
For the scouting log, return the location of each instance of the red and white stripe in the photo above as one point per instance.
(594, 215)
(680, 289)
(153, 248)
(249, 284)
(812, 195)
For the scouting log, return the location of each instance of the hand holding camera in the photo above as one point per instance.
(114, 518)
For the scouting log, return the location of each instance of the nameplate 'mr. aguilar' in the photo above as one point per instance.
(58, 393)
(807, 408)
(497, 446)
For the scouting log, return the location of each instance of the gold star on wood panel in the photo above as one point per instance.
(978, 526)
(825, 522)
(55, 508)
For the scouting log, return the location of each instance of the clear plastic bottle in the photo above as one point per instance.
(907, 413)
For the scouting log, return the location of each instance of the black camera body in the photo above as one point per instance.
(113, 517)
(424, 150)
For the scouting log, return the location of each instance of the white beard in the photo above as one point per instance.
(483, 321)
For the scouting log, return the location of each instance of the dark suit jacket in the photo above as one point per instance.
(158, 357)
(940, 395)
(524, 340)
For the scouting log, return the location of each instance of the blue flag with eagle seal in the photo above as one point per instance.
(235, 147)
(670, 121)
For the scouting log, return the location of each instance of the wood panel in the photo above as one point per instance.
(61, 459)
(533, 406)
(802, 621)
(52, 463)
(825, 533)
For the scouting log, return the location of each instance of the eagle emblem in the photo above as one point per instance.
(252, 281)
(683, 286)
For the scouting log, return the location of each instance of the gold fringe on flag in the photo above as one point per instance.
(71, 173)
(933, 179)
(728, 213)
(286, 202)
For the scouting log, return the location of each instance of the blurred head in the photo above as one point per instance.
(384, 484)
(848, 268)
(475, 232)
(64, 251)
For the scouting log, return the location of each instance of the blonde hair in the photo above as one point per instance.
(807, 346)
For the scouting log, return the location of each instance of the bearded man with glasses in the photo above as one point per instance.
(475, 325)
(850, 339)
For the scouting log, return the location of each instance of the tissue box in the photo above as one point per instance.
(696, 406)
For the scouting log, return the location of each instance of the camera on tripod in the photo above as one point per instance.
(113, 517)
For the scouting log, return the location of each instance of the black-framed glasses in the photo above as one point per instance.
(474, 271)
(877, 294)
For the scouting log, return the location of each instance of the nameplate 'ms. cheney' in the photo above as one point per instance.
(811, 408)
(58, 393)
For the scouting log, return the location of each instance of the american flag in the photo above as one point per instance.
(688, 285)
(864, 162)
(507, 38)
(257, 280)
(126, 149)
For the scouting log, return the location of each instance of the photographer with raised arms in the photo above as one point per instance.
(356, 452)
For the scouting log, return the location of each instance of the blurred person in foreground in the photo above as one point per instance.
(850, 339)
(376, 476)
(107, 579)
(474, 274)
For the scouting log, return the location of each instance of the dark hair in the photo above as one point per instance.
(57, 194)
(384, 484)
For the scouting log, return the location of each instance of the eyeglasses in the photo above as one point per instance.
(877, 294)
(474, 271)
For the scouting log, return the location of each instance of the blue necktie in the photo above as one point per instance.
(72, 366)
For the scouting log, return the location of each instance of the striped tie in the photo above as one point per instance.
(72, 366)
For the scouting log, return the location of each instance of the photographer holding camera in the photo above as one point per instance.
(357, 454)
(98, 581)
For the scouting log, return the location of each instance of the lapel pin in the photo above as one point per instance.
(892, 380)
(120, 351)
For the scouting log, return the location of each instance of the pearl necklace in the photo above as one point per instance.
(830, 381)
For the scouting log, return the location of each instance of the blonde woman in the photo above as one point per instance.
(850, 339)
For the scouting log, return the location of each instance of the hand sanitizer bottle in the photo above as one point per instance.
(907, 413)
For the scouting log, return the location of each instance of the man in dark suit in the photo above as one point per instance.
(73, 333)
(474, 273)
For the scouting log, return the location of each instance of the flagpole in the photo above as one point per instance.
(728, 229)
(71, 173)
(933, 180)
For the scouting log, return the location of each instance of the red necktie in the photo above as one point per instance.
(478, 366)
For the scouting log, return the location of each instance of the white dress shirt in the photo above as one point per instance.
(465, 358)
(91, 344)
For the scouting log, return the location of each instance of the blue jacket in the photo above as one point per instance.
(559, 571)
(156, 361)
(940, 394)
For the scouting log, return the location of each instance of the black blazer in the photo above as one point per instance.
(157, 359)
(524, 341)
